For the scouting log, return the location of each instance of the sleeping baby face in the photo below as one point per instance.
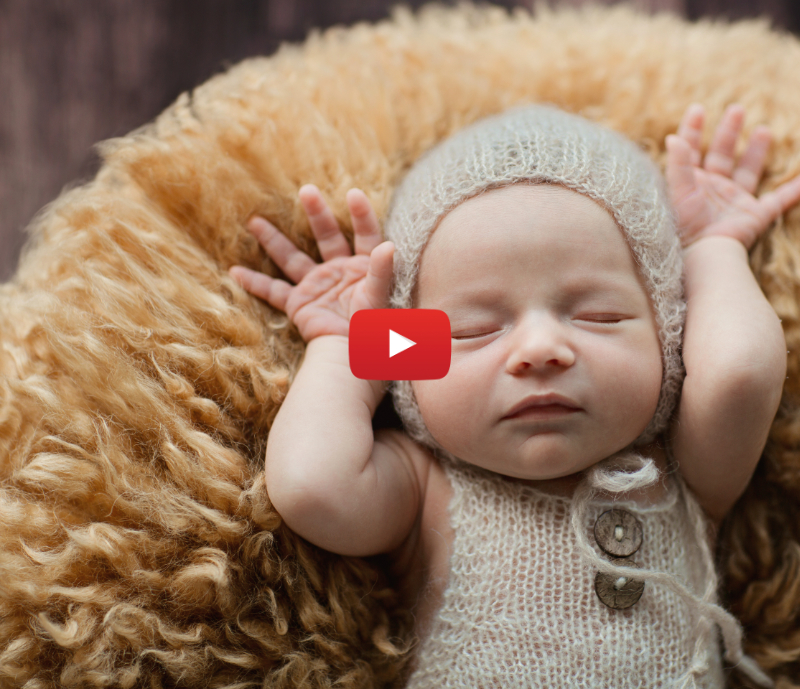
(544, 301)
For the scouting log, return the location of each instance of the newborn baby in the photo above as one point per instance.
(550, 507)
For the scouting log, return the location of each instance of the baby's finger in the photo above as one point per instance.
(780, 200)
(721, 156)
(280, 249)
(691, 129)
(332, 243)
(271, 290)
(680, 169)
(751, 164)
(379, 276)
(366, 228)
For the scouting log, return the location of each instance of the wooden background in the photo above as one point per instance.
(74, 72)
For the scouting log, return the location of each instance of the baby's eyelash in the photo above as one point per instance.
(602, 317)
(470, 337)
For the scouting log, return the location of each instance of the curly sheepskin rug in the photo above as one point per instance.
(138, 382)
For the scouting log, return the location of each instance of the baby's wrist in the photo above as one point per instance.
(715, 243)
(334, 351)
(713, 261)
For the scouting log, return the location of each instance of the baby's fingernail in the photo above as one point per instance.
(257, 223)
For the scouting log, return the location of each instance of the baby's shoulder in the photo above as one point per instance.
(433, 483)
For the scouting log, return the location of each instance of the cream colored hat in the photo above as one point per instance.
(537, 143)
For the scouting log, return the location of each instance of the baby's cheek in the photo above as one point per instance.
(650, 370)
(635, 385)
(653, 392)
(448, 406)
(432, 397)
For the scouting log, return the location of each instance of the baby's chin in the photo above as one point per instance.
(543, 456)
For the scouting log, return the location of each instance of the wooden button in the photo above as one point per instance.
(618, 593)
(618, 533)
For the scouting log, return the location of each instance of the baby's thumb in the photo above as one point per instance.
(379, 276)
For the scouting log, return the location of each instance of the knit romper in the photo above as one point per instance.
(520, 608)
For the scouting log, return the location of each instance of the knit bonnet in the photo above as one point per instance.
(542, 144)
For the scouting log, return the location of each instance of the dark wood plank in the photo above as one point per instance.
(784, 14)
(74, 72)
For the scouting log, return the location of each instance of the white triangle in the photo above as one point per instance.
(398, 343)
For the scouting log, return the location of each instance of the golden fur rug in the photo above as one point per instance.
(139, 382)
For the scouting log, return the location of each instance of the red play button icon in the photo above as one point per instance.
(399, 344)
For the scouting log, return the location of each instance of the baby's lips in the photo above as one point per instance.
(542, 400)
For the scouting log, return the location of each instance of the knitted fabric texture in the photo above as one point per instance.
(520, 608)
(541, 144)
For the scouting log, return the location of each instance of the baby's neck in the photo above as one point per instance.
(566, 485)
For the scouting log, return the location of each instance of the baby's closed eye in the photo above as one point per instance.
(472, 336)
(602, 317)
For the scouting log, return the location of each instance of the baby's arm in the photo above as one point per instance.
(330, 480)
(734, 350)
(735, 357)
(327, 476)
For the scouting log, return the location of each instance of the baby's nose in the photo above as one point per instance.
(541, 343)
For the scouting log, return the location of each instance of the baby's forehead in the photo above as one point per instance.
(497, 207)
(517, 217)
(508, 283)
(512, 233)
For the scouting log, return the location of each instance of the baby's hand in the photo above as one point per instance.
(717, 198)
(326, 294)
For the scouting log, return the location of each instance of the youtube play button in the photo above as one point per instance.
(399, 344)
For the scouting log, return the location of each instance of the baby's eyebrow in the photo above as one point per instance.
(600, 283)
(490, 296)
(472, 297)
